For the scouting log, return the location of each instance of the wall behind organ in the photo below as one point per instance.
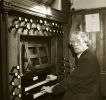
(85, 4)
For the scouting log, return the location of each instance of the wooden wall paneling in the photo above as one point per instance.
(104, 40)
(100, 43)
(82, 28)
(76, 22)
(93, 45)
(103, 69)
(103, 85)
(99, 48)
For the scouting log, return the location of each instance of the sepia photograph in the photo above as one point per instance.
(52, 49)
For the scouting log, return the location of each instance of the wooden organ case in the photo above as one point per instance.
(34, 48)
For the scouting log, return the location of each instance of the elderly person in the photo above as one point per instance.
(84, 82)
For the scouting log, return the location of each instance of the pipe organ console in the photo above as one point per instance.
(36, 41)
(34, 48)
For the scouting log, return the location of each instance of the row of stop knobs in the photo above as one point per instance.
(38, 27)
(15, 83)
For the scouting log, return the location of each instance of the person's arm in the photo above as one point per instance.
(85, 70)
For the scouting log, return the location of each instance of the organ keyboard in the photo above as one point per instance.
(36, 85)
(33, 90)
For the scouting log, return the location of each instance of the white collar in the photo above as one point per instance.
(78, 56)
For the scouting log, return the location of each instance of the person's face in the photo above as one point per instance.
(78, 43)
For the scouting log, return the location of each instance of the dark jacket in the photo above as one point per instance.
(84, 81)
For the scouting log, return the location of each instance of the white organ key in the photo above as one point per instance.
(38, 94)
(36, 85)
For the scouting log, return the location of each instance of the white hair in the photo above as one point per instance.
(83, 35)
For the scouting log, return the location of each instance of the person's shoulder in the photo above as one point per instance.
(90, 55)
